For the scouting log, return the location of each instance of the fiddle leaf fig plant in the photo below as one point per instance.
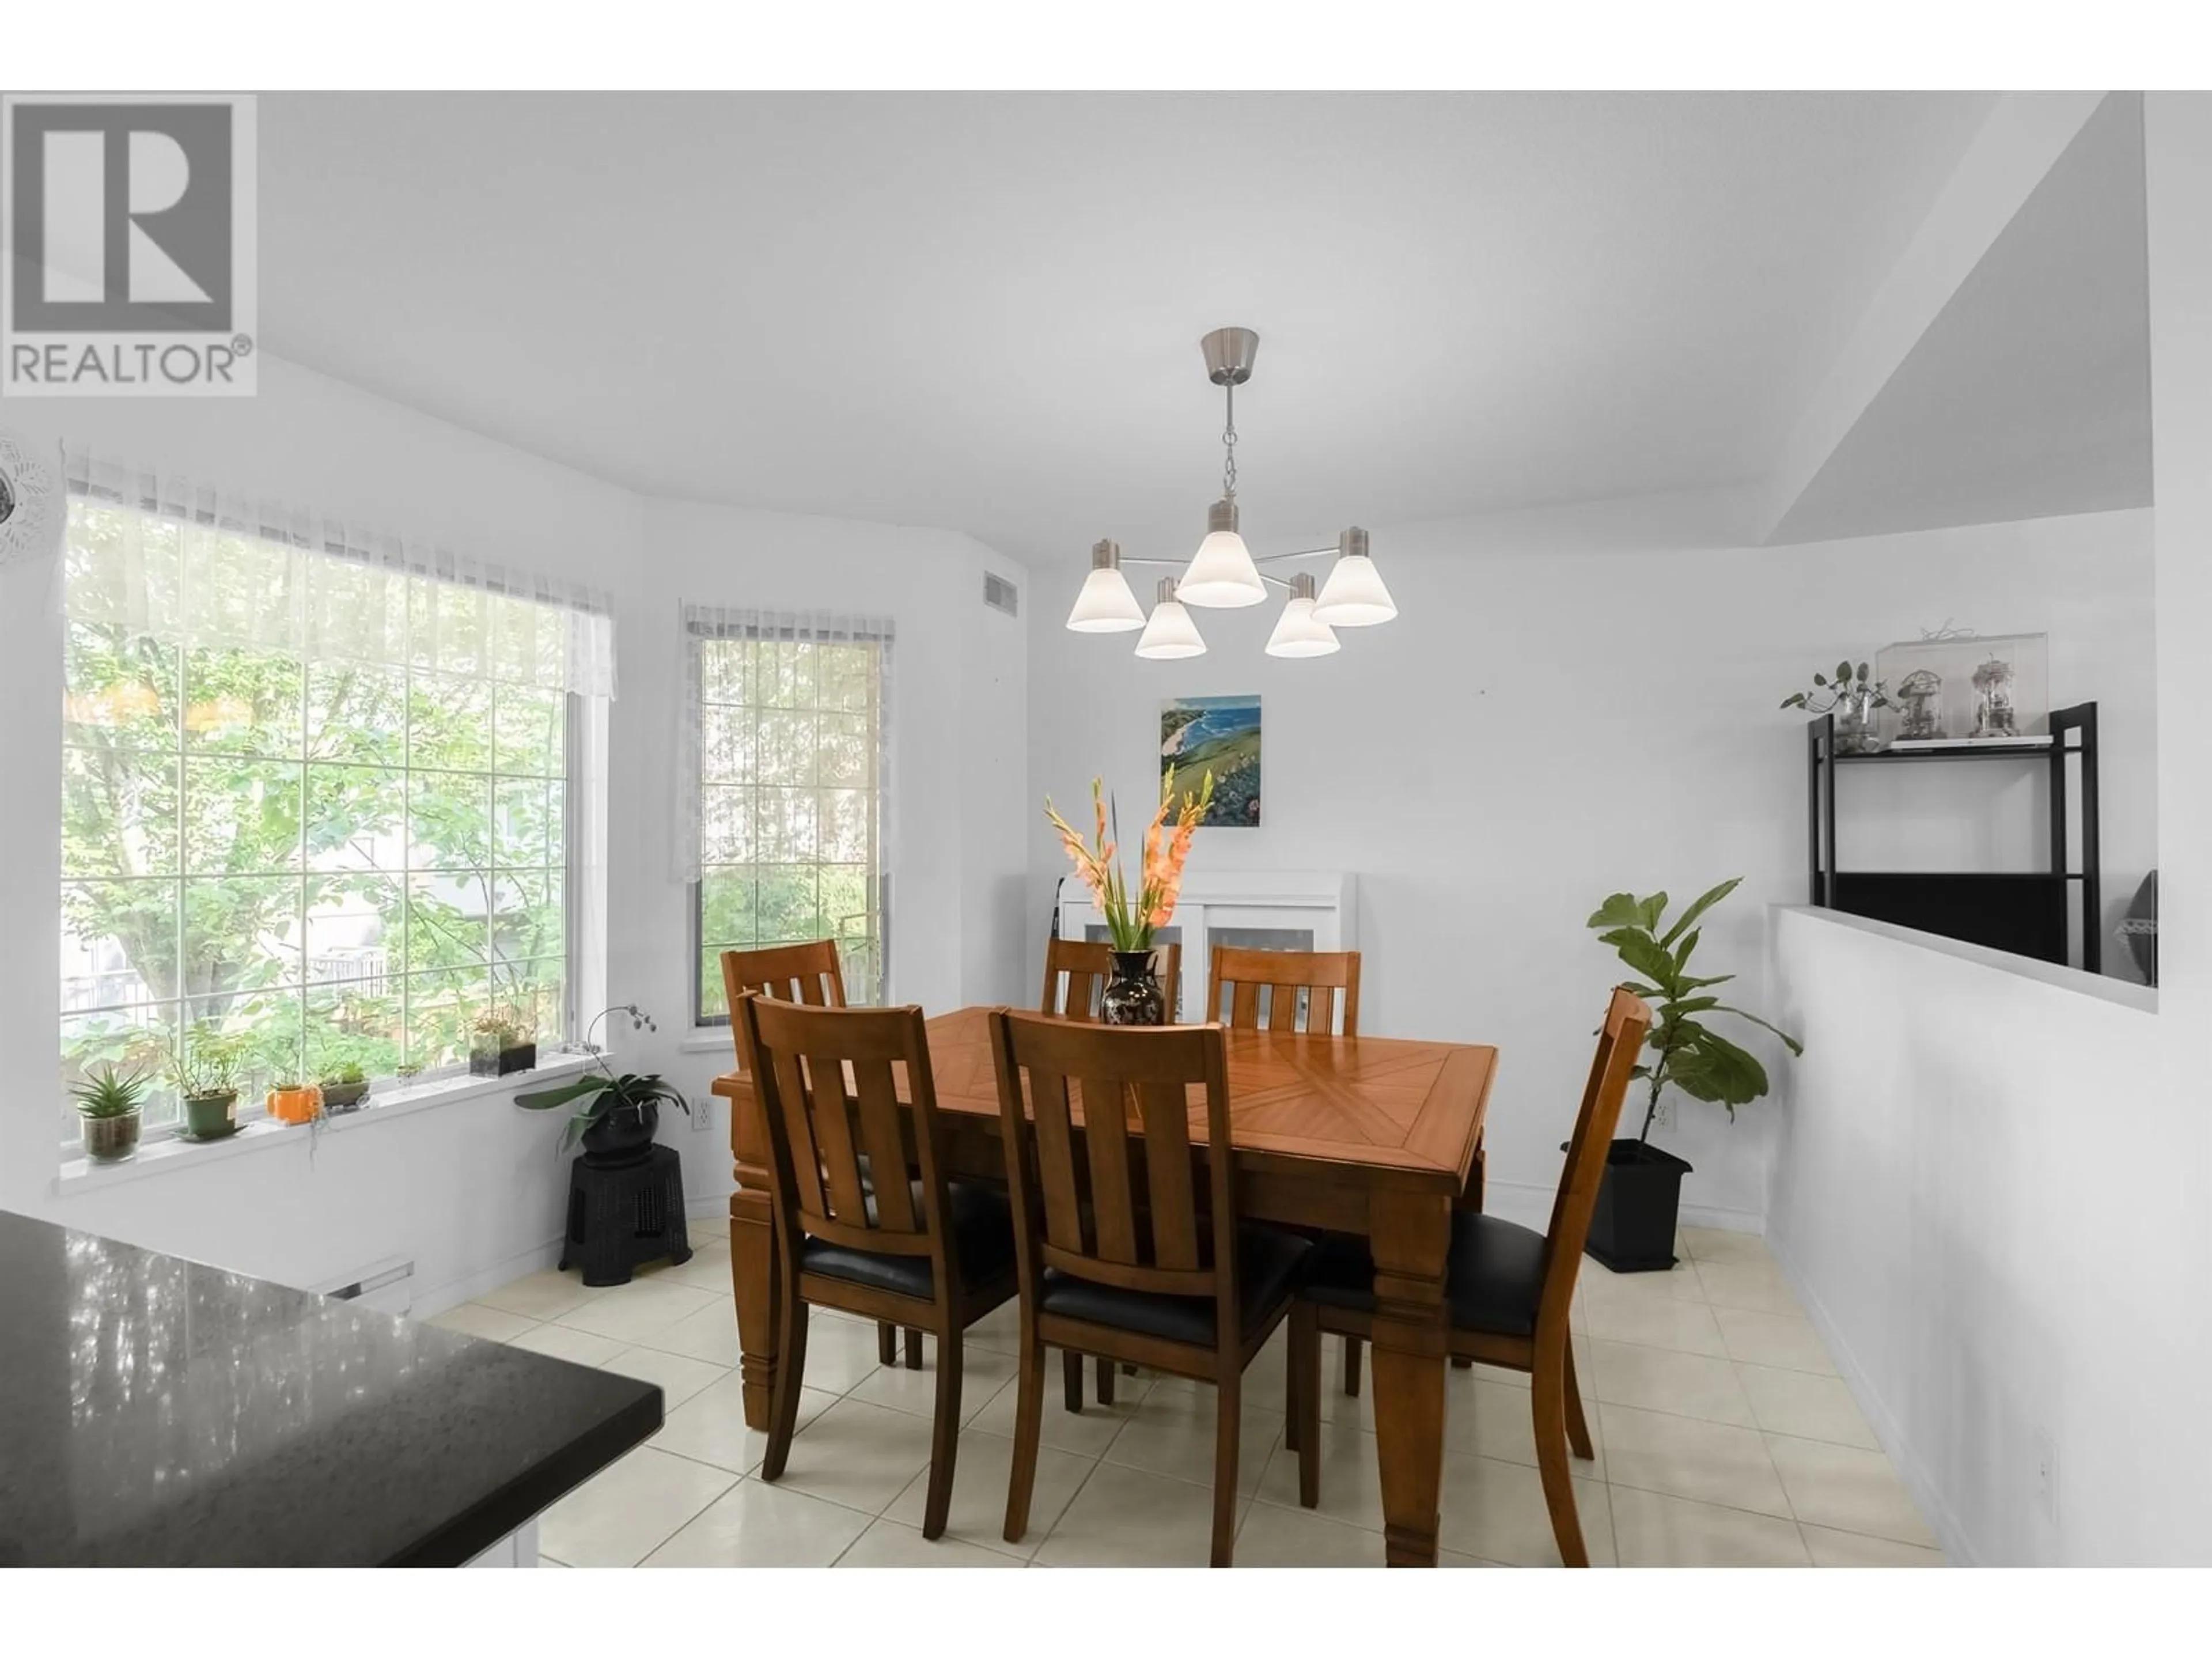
(1684, 1051)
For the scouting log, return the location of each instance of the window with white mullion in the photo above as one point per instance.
(790, 796)
(320, 859)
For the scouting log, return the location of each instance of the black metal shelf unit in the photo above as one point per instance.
(2023, 912)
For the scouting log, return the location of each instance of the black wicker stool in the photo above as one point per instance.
(620, 1216)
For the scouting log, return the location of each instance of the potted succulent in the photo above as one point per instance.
(344, 1086)
(1632, 1229)
(616, 1114)
(504, 1041)
(206, 1073)
(108, 1106)
(1853, 696)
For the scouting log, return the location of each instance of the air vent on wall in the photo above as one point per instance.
(1000, 594)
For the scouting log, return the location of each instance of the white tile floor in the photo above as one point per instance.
(1724, 1439)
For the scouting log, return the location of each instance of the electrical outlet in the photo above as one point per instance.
(2047, 1475)
(1663, 1118)
(702, 1117)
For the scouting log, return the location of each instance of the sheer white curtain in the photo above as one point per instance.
(162, 557)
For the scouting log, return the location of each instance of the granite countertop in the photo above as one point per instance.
(154, 1412)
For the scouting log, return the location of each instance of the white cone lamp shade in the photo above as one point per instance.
(1298, 632)
(1354, 595)
(1170, 632)
(1105, 605)
(1222, 576)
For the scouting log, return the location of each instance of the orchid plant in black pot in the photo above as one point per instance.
(1632, 1229)
(616, 1114)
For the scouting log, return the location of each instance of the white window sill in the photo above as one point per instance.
(80, 1175)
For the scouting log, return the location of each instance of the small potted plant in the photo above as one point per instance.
(1632, 1228)
(616, 1115)
(502, 1042)
(108, 1105)
(344, 1086)
(206, 1074)
(1853, 697)
(290, 1100)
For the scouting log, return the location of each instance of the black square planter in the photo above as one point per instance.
(1632, 1228)
(498, 1062)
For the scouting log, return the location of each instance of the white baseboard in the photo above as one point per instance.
(427, 1304)
(696, 1206)
(1516, 1198)
(1957, 1550)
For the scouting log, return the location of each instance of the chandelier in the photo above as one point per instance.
(1223, 574)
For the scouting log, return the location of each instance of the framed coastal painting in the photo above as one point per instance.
(1220, 735)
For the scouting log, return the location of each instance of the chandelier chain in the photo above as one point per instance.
(1229, 445)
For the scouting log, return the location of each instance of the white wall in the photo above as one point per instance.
(1576, 702)
(470, 1190)
(1970, 1196)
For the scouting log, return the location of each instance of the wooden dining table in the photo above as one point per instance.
(1371, 1135)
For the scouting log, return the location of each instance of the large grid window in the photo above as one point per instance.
(791, 800)
(306, 861)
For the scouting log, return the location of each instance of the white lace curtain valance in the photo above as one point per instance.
(711, 723)
(161, 556)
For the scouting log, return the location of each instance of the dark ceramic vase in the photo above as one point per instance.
(622, 1135)
(1132, 996)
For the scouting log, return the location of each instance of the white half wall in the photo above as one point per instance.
(1577, 701)
(1971, 1200)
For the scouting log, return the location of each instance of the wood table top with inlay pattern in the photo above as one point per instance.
(1413, 1107)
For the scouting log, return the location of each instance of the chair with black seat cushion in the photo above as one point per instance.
(929, 1254)
(1509, 1288)
(1117, 1257)
(1076, 973)
(808, 972)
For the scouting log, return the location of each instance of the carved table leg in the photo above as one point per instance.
(1409, 1237)
(752, 1260)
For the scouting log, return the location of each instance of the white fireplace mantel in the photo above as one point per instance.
(1271, 909)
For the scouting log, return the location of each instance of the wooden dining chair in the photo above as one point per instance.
(1125, 1239)
(809, 974)
(929, 1254)
(1085, 966)
(1509, 1290)
(1329, 980)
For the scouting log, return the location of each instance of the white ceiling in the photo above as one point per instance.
(2029, 395)
(982, 312)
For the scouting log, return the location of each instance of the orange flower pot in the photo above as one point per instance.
(295, 1105)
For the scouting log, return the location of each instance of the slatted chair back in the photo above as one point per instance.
(829, 1095)
(1330, 980)
(1116, 1204)
(1086, 966)
(806, 973)
(1619, 1048)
